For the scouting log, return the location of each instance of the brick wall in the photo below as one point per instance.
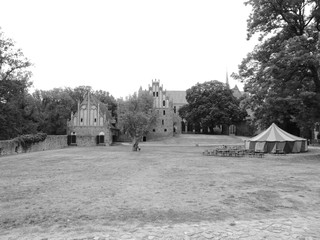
(9, 147)
(163, 126)
(87, 141)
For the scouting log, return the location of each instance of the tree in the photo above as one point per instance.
(282, 73)
(55, 107)
(211, 104)
(135, 116)
(78, 93)
(14, 98)
(107, 99)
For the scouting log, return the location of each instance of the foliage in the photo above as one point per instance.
(107, 99)
(135, 116)
(77, 94)
(15, 115)
(27, 140)
(282, 73)
(211, 104)
(55, 107)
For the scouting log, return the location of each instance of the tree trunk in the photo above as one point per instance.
(135, 144)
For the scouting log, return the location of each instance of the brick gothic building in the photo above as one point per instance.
(91, 124)
(166, 104)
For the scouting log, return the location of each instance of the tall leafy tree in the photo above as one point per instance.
(55, 107)
(135, 116)
(14, 83)
(282, 73)
(78, 93)
(210, 104)
(107, 98)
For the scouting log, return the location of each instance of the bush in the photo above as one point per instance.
(27, 140)
(217, 130)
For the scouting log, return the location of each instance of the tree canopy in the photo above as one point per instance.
(135, 116)
(15, 113)
(210, 104)
(282, 73)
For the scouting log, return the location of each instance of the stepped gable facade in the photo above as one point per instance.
(91, 124)
(166, 104)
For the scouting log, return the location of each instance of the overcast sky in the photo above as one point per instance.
(120, 45)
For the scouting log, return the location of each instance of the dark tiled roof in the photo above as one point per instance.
(178, 97)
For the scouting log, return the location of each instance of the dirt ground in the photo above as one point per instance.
(168, 182)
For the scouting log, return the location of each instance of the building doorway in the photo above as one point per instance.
(72, 139)
(100, 138)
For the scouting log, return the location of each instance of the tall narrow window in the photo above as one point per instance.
(157, 94)
(174, 109)
(154, 94)
(164, 103)
(164, 112)
(162, 122)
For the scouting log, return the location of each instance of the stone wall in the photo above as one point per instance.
(9, 147)
(88, 141)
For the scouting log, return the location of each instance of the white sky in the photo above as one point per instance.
(120, 45)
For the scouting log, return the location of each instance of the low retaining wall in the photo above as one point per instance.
(9, 147)
(88, 141)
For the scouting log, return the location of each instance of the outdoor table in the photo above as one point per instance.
(239, 153)
(223, 152)
(259, 153)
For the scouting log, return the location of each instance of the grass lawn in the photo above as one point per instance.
(71, 189)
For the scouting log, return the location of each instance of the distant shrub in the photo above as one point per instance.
(27, 140)
(217, 130)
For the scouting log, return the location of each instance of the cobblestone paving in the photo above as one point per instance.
(307, 228)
